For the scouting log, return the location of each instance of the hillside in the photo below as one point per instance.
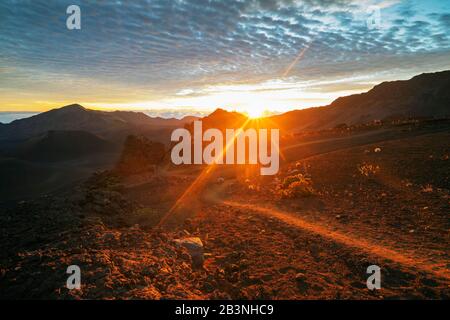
(424, 96)
(62, 145)
(77, 118)
(221, 119)
(254, 244)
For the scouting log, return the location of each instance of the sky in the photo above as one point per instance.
(192, 56)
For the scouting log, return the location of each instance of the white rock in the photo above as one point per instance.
(194, 246)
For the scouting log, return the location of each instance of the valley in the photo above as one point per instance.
(99, 190)
(257, 245)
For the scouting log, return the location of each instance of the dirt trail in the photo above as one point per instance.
(345, 138)
(407, 259)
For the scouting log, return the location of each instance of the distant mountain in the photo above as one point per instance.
(189, 119)
(77, 118)
(62, 145)
(222, 119)
(424, 96)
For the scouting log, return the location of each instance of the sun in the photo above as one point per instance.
(254, 112)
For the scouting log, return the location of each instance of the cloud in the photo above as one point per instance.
(161, 47)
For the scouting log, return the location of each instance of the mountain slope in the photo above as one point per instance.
(222, 119)
(424, 96)
(62, 145)
(77, 118)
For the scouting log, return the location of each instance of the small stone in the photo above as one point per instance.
(194, 246)
(208, 287)
(300, 279)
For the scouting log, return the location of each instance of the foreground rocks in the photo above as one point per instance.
(41, 239)
(194, 246)
(246, 254)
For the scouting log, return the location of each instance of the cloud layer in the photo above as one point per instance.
(155, 49)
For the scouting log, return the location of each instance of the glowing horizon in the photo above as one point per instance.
(248, 56)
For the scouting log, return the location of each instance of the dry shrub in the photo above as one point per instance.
(427, 189)
(296, 186)
(368, 170)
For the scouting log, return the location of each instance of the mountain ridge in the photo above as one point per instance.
(74, 117)
(423, 96)
(62, 145)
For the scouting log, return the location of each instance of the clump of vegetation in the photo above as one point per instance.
(368, 170)
(296, 186)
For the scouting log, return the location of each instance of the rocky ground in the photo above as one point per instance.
(40, 239)
(237, 238)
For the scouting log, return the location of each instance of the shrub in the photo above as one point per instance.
(296, 186)
(291, 179)
(427, 189)
(368, 170)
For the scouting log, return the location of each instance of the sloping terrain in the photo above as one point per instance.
(77, 118)
(54, 149)
(424, 96)
(383, 203)
(62, 146)
(25, 180)
(376, 194)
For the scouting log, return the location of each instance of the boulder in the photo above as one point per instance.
(194, 246)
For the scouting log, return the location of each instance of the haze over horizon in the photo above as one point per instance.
(186, 56)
